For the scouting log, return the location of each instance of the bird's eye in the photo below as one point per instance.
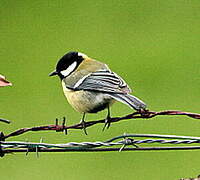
(69, 69)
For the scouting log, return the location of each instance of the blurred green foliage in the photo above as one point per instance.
(154, 45)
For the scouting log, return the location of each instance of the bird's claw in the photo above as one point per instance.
(107, 123)
(83, 123)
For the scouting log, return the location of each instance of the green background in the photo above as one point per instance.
(154, 45)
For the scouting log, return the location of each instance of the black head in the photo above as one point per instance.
(68, 64)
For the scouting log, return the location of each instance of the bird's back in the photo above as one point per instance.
(88, 67)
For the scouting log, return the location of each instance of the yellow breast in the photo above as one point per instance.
(85, 101)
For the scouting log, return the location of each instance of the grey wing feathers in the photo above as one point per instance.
(104, 81)
(129, 100)
(110, 83)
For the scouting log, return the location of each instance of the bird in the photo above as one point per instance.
(90, 86)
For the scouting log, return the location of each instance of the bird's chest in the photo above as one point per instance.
(87, 101)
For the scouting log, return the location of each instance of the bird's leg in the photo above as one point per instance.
(107, 120)
(83, 124)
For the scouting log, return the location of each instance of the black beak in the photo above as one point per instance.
(54, 73)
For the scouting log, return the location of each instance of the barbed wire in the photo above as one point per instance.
(109, 145)
(124, 141)
(145, 114)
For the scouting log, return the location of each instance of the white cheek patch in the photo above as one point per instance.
(69, 70)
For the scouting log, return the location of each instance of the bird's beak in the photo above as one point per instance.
(54, 73)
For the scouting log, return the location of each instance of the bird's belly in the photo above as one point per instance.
(88, 101)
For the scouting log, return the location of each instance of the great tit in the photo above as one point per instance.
(90, 86)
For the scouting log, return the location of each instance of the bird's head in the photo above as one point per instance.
(68, 64)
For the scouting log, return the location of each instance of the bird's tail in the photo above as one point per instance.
(129, 100)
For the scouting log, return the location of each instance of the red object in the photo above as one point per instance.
(4, 82)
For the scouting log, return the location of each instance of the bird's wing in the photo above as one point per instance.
(104, 81)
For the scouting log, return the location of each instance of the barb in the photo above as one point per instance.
(136, 115)
(5, 121)
(123, 141)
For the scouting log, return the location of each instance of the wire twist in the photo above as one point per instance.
(123, 141)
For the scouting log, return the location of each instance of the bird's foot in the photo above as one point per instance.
(107, 123)
(83, 123)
